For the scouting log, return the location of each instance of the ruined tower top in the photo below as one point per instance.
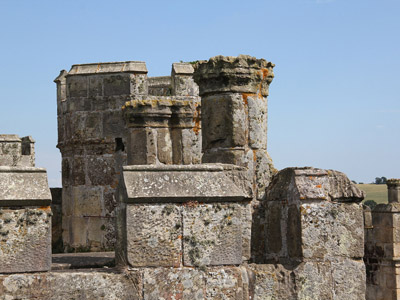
(16, 151)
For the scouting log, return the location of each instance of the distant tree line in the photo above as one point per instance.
(380, 180)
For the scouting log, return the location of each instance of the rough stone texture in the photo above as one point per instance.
(25, 239)
(82, 285)
(163, 283)
(300, 215)
(175, 183)
(185, 283)
(212, 234)
(154, 234)
(21, 186)
(15, 151)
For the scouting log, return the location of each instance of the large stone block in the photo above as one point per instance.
(180, 183)
(72, 285)
(226, 283)
(101, 170)
(142, 146)
(118, 84)
(349, 280)
(224, 121)
(153, 235)
(25, 239)
(22, 186)
(269, 282)
(331, 229)
(164, 146)
(113, 124)
(257, 114)
(212, 234)
(77, 86)
(86, 201)
(166, 283)
(264, 170)
(314, 281)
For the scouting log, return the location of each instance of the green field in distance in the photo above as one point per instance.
(376, 192)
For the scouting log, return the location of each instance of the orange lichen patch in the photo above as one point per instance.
(265, 73)
(319, 186)
(311, 178)
(302, 198)
(44, 208)
(179, 237)
(246, 95)
(254, 155)
(196, 119)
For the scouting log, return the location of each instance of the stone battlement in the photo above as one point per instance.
(173, 175)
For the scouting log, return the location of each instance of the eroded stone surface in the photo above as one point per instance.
(332, 229)
(71, 285)
(212, 234)
(25, 240)
(154, 235)
(23, 186)
(180, 184)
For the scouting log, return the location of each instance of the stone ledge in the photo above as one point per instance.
(24, 186)
(166, 183)
(110, 67)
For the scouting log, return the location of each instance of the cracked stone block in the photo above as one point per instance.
(212, 234)
(25, 240)
(154, 234)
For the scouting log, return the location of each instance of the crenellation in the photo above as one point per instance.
(173, 174)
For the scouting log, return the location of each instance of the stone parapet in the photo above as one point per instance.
(313, 215)
(25, 214)
(175, 216)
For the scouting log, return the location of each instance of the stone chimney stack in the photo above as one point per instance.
(393, 186)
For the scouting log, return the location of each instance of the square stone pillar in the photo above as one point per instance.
(314, 222)
(382, 248)
(172, 216)
(25, 215)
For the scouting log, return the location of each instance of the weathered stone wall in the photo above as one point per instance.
(314, 223)
(93, 139)
(382, 247)
(25, 214)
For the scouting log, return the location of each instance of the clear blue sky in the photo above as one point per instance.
(334, 102)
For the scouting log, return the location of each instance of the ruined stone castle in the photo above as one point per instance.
(168, 192)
